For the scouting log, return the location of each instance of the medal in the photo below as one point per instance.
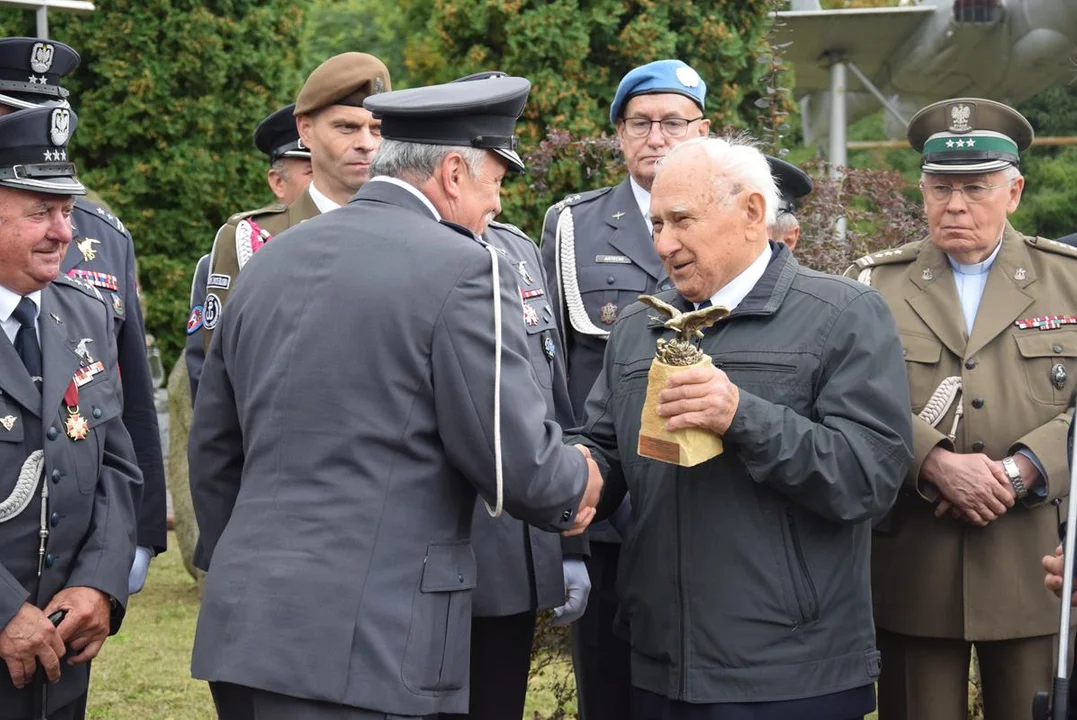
(1059, 376)
(76, 426)
(608, 314)
(531, 318)
(8, 421)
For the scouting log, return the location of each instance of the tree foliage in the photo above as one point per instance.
(168, 95)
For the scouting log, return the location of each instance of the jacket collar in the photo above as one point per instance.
(390, 194)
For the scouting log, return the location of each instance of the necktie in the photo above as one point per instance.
(704, 305)
(26, 339)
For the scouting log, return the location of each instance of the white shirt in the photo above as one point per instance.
(970, 281)
(8, 301)
(323, 203)
(738, 288)
(643, 200)
(411, 189)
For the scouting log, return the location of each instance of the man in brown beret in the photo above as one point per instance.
(342, 138)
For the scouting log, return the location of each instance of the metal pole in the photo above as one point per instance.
(878, 95)
(837, 128)
(43, 22)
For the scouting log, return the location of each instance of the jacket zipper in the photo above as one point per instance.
(681, 594)
(810, 612)
(765, 367)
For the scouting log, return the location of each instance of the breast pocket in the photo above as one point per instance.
(606, 290)
(98, 403)
(922, 356)
(436, 653)
(1049, 358)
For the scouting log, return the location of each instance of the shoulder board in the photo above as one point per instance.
(1051, 246)
(273, 209)
(581, 198)
(65, 281)
(100, 212)
(903, 254)
(510, 228)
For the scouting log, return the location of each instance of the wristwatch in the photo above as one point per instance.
(1014, 474)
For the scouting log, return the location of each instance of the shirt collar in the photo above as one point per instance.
(643, 200)
(10, 299)
(738, 288)
(411, 189)
(321, 201)
(980, 268)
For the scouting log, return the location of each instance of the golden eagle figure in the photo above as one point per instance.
(687, 325)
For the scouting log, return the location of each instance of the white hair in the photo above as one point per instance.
(785, 223)
(736, 161)
(418, 161)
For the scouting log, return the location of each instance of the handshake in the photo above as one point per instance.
(589, 503)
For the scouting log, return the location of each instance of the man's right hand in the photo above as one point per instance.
(586, 512)
(973, 483)
(30, 637)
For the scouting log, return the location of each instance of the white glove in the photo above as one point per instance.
(577, 588)
(137, 577)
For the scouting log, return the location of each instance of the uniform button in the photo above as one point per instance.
(50, 559)
(566, 516)
(460, 577)
(1057, 348)
(969, 364)
(610, 280)
(977, 403)
(978, 446)
(52, 433)
(97, 412)
(55, 519)
(56, 475)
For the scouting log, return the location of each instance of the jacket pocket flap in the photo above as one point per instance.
(1048, 343)
(921, 349)
(448, 567)
(98, 403)
(612, 277)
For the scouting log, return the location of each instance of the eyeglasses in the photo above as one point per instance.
(973, 193)
(640, 127)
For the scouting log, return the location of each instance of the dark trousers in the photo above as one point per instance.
(30, 710)
(848, 705)
(601, 657)
(238, 702)
(500, 664)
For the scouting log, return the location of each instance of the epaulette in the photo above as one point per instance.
(510, 228)
(100, 212)
(581, 198)
(87, 288)
(271, 209)
(903, 254)
(1051, 246)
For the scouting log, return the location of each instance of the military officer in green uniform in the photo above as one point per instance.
(342, 138)
(986, 317)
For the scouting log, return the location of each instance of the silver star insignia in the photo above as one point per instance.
(970, 143)
(949, 143)
(961, 143)
(100, 211)
(62, 154)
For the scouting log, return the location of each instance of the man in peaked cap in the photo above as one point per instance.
(69, 543)
(288, 176)
(429, 401)
(342, 138)
(987, 325)
(598, 253)
(793, 183)
(102, 254)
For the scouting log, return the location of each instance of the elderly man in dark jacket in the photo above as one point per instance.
(744, 579)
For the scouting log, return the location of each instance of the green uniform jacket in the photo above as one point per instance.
(943, 577)
(236, 241)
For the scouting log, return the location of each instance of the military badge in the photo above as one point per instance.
(222, 282)
(1059, 376)
(56, 318)
(41, 55)
(211, 311)
(85, 374)
(548, 346)
(618, 215)
(528, 294)
(1020, 274)
(8, 422)
(521, 268)
(86, 247)
(608, 314)
(531, 318)
(962, 117)
(688, 77)
(82, 351)
(59, 128)
(1047, 322)
(378, 86)
(547, 312)
(194, 320)
(927, 274)
(76, 426)
(117, 305)
(95, 278)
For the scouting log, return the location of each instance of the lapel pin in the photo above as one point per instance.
(56, 318)
(1020, 274)
(618, 215)
(927, 274)
(8, 421)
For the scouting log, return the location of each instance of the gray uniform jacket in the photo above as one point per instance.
(520, 566)
(343, 424)
(102, 254)
(94, 484)
(599, 262)
(746, 578)
(195, 350)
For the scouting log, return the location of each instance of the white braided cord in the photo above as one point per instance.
(865, 276)
(498, 469)
(566, 247)
(940, 402)
(31, 473)
(244, 233)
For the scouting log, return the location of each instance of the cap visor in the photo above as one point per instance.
(53, 186)
(988, 166)
(515, 162)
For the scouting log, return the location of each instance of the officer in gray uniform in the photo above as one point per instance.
(793, 184)
(101, 254)
(288, 175)
(597, 251)
(69, 485)
(368, 432)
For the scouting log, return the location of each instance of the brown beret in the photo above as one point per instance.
(345, 79)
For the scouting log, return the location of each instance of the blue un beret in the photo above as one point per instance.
(660, 76)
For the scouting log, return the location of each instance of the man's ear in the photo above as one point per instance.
(305, 125)
(276, 183)
(756, 209)
(452, 170)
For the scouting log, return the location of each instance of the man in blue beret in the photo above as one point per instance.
(101, 254)
(598, 254)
